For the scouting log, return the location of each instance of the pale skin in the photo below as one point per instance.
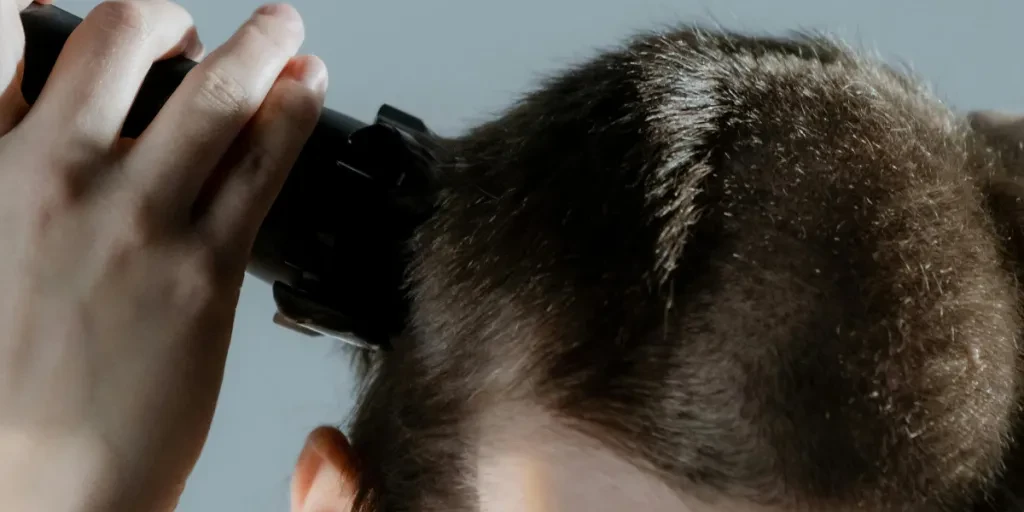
(118, 286)
(117, 302)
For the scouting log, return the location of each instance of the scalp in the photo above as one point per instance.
(759, 265)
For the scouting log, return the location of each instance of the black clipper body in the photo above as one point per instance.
(334, 245)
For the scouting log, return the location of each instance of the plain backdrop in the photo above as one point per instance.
(457, 62)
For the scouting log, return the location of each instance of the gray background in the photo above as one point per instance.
(455, 62)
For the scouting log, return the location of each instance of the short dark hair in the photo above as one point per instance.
(761, 265)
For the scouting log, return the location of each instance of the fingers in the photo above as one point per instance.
(12, 43)
(25, 3)
(258, 163)
(200, 122)
(107, 57)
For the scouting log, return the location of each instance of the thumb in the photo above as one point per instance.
(12, 50)
(12, 45)
(12, 40)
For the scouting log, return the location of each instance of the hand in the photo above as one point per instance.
(122, 260)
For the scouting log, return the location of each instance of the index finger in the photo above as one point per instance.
(217, 99)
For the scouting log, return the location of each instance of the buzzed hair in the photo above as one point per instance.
(772, 267)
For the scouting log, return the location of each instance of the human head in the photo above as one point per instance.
(704, 271)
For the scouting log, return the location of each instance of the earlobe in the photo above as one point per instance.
(325, 475)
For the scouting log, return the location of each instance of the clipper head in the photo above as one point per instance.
(335, 245)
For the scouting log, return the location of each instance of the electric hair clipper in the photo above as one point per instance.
(334, 245)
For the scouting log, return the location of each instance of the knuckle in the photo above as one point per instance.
(252, 174)
(199, 277)
(84, 148)
(256, 160)
(224, 94)
(137, 229)
(54, 192)
(123, 18)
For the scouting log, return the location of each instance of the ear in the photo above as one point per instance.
(325, 476)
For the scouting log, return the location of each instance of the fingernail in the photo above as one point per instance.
(194, 48)
(268, 9)
(313, 74)
(278, 9)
